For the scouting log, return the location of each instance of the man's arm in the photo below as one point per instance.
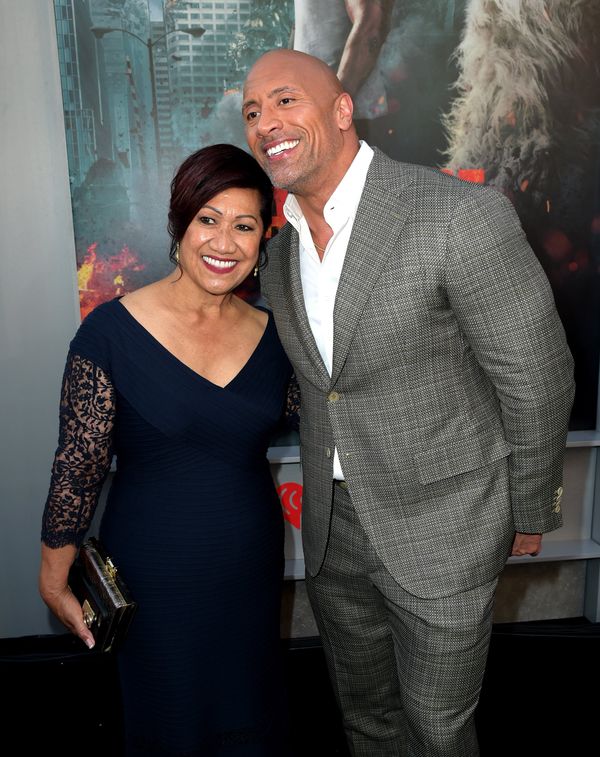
(370, 26)
(505, 307)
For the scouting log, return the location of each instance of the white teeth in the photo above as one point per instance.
(219, 263)
(281, 147)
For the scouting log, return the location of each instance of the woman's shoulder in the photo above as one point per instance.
(104, 310)
(96, 332)
(102, 318)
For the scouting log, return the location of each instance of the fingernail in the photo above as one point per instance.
(90, 644)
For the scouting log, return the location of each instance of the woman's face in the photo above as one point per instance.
(221, 245)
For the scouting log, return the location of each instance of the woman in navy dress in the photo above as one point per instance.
(184, 382)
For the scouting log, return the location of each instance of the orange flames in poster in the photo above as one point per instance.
(474, 175)
(100, 279)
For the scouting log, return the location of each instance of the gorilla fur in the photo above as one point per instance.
(528, 97)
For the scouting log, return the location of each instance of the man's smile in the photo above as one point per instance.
(281, 147)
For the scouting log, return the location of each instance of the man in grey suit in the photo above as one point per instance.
(436, 389)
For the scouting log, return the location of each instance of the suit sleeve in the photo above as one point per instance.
(506, 311)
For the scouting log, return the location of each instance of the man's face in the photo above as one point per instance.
(292, 123)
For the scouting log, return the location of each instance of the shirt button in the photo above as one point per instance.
(333, 397)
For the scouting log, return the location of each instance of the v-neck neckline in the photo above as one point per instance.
(186, 367)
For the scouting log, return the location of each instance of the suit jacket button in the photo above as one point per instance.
(333, 397)
(328, 452)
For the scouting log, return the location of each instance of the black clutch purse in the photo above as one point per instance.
(108, 607)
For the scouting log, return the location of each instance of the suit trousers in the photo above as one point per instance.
(406, 671)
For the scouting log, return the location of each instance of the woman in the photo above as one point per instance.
(185, 383)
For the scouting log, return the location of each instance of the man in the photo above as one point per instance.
(436, 388)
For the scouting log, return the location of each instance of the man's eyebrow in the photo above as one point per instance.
(272, 93)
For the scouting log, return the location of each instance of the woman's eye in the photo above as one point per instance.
(244, 227)
(207, 220)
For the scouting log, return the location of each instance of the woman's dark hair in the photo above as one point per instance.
(205, 174)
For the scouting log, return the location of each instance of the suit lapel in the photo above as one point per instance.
(380, 217)
(294, 296)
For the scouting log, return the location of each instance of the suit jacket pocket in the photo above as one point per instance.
(461, 455)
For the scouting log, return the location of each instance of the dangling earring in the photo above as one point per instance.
(177, 253)
(255, 271)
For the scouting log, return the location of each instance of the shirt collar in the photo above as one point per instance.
(346, 196)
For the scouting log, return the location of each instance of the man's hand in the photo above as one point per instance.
(526, 544)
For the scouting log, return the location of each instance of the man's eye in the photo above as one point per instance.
(286, 100)
(251, 115)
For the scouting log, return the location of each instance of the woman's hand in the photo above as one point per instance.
(55, 591)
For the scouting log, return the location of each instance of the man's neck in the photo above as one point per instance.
(312, 207)
(312, 199)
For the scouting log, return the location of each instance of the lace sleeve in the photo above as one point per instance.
(292, 408)
(84, 453)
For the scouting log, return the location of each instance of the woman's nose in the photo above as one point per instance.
(222, 240)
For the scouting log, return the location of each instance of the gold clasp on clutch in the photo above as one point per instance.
(111, 569)
(88, 614)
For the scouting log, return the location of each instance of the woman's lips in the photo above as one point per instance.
(219, 266)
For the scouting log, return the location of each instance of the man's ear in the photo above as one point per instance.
(344, 107)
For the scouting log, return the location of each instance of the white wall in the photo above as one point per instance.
(38, 297)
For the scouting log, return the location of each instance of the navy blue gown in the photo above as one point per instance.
(194, 525)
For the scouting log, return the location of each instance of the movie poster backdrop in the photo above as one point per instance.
(495, 91)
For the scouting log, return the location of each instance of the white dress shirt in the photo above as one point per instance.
(320, 278)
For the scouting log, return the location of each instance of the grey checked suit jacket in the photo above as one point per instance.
(452, 381)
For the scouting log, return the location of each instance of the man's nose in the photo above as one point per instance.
(268, 122)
